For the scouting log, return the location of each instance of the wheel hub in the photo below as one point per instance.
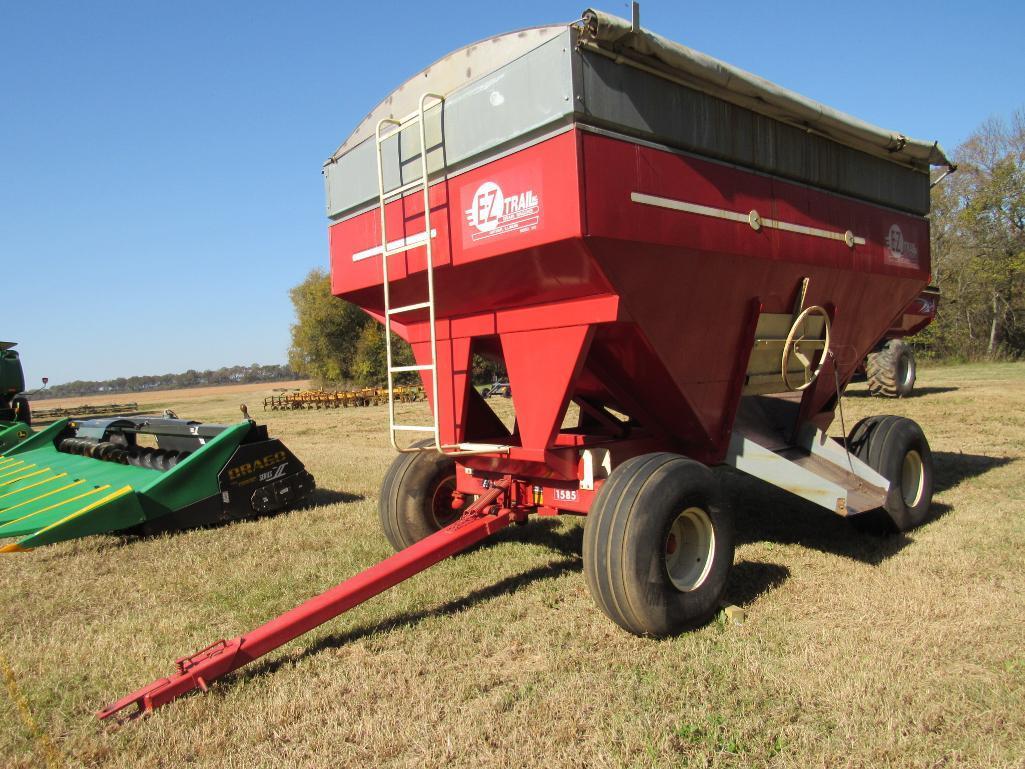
(442, 503)
(689, 549)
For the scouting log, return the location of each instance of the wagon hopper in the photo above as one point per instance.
(694, 257)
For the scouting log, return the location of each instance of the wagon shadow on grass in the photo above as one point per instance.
(918, 392)
(569, 563)
(748, 581)
(767, 514)
(763, 513)
(170, 527)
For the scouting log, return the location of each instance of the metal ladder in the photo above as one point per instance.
(423, 239)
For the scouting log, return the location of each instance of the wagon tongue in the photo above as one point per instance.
(479, 520)
(77, 478)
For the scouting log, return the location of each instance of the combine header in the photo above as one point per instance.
(141, 475)
(695, 259)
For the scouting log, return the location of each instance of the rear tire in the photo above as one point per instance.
(897, 449)
(658, 547)
(416, 497)
(892, 370)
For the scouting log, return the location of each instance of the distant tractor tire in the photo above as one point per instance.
(897, 449)
(658, 547)
(416, 497)
(22, 411)
(891, 370)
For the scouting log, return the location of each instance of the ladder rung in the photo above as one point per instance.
(404, 188)
(481, 447)
(400, 126)
(412, 429)
(410, 308)
(424, 367)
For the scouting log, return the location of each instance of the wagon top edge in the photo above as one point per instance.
(618, 40)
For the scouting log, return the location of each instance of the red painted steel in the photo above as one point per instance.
(917, 315)
(645, 309)
(480, 520)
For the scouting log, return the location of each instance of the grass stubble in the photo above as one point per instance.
(856, 652)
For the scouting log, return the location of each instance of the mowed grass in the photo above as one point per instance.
(856, 651)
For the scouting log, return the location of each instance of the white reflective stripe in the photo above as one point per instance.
(722, 213)
(815, 231)
(395, 245)
(422, 367)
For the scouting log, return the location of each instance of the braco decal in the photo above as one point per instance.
(493, 213)
(924, 306)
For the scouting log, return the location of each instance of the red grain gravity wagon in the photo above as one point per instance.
(689, 260)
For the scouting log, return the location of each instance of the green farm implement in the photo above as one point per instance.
(139, 475)
(14, 408)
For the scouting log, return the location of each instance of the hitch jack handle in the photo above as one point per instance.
(479, 521)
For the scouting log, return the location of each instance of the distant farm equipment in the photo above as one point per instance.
(42, 416)
(334, 399)
(13, 403)
(499, 390)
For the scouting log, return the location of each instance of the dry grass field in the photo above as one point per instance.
(856, 651)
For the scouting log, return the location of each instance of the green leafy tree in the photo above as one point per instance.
(978, 246)
(370, 366)
(326, 332)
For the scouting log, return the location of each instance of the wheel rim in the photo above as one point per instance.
(441, 502)
(689, 549)
(904, 371)
(912, 479)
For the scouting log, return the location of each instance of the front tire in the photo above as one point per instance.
(897, 449)
(658, 547)
(416, 497)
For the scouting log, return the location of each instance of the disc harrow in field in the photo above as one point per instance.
(333, 399)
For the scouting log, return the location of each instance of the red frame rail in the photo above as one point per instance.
(480, 520)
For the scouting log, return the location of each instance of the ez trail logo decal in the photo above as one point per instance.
(493, 213)
(900, 251)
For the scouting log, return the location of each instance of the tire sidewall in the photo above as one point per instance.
(652, 604)
(903, 437)
(407, 496)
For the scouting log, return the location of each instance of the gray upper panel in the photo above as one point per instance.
(509, 105)
(506, 92)
(624, 99)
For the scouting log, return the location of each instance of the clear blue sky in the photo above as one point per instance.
(160, 185)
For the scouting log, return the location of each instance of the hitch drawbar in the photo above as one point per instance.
(481, 519)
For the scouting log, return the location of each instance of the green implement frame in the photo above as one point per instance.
(74, 479)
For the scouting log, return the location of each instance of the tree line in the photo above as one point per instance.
(337, 344)
(978, 248)
(191, 378)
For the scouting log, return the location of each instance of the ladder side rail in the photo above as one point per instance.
(384, 275)
(430, 263)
